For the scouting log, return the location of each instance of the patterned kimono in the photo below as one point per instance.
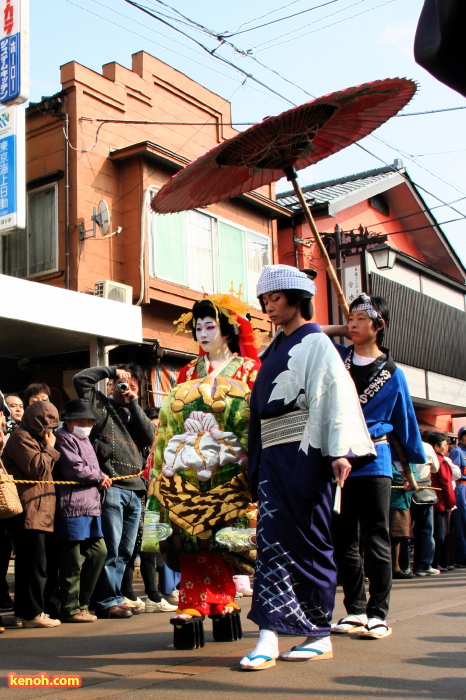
(199, 484)
(239, 368)
(304, 414)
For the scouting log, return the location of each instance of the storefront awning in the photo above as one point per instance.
(38, 319)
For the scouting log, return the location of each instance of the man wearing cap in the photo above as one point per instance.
(458, 457)
(305, 424)
(119, 437)
(77, 521)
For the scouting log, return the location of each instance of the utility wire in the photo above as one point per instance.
(431, 171)
(224, 41)
(263, 84)
(267, 14)
(327, 26)
(299, 29)
(120, 26)
(386, 221)
(281, 19)
(431, 111)
(209, 51)
(271, 89)
(406, 230)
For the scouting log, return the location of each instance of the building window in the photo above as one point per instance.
(34, 252)
(199, 251)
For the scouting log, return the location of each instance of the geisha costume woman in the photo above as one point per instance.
(199, 485)
(305, 416)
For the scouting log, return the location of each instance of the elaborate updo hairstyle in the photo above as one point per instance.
(230, 331)
(294, 297)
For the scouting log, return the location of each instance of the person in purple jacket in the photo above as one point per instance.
(77, 521)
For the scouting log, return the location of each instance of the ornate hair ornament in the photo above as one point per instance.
(274, 278)
(230, 305)
(367, 306)
(235, 310)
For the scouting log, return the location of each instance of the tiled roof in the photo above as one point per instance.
(324, 192)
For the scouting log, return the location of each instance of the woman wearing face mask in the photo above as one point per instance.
(198, 479)
(77, 523)
(30, 454)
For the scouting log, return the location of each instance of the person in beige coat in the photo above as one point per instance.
(30, 454)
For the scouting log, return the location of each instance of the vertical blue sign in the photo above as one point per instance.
(12, 170)
(10, 67)
(14, 51)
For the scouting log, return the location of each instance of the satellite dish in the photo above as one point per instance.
(104, 217)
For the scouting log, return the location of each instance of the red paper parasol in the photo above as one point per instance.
(291, 141)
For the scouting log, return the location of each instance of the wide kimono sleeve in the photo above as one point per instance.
(405, 424)
(248, 371)
(187, 372)
(335, 424)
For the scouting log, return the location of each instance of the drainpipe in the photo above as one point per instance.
(144, 210)
(64, 116)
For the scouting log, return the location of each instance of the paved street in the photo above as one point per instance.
(424, 658)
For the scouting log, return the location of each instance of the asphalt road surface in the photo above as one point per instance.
(425, 657)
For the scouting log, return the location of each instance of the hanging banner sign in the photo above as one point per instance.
(352, 282)
(12, 169)
(14, 51)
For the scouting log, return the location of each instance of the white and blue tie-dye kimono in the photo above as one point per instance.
(291, 476)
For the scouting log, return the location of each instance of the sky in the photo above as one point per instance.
(308, 48)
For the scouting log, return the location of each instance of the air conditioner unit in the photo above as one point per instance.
(114, 291)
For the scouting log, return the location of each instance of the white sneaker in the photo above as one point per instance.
(138, 603)
(172, 598)
(42, 620)
(428, 572)
(163, 606)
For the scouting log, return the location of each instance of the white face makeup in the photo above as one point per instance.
(209, 335)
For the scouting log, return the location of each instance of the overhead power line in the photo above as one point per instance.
(310, 24)
(250, 76)
(327, 26)
(267, 14)
(431, 111)
(282, 19)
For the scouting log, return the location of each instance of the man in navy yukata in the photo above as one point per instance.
(391, 421)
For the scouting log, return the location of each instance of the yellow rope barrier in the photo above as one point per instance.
(67, 483)
(432, 488)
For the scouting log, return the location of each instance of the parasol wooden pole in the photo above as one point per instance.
(292, 176)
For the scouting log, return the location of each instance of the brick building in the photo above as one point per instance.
(96, 152)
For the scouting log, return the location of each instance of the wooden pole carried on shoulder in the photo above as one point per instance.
(292, 176)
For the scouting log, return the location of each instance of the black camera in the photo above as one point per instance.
(122, 386)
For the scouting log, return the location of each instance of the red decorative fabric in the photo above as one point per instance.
(247, 372)
(206, 582)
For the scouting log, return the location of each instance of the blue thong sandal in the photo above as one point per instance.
(267, 663)
(317, 654)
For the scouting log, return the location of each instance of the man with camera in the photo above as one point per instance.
(119, 438)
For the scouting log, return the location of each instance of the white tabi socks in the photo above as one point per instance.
(267, 647)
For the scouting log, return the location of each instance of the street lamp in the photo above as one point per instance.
(384, 256)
